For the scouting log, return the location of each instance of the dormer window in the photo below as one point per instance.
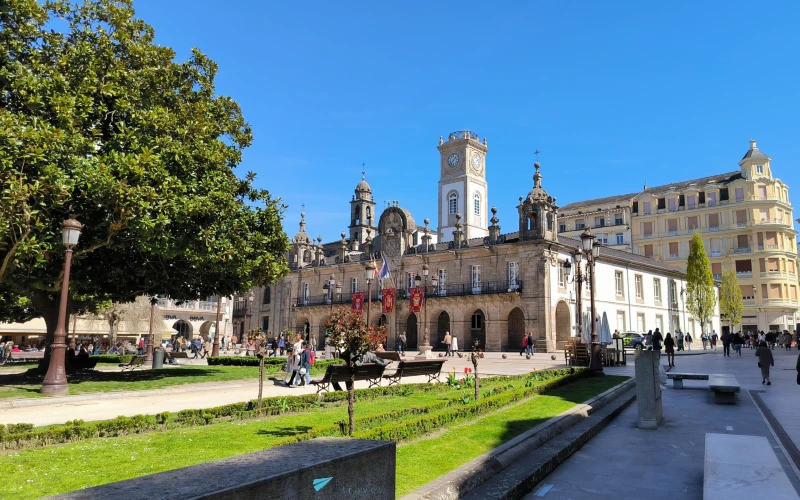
(759, 169)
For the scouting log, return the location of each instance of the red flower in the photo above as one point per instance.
(466, 370)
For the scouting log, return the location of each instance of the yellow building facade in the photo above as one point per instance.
(745, 219)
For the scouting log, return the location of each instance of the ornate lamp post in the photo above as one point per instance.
(55, 382)
(592, 251)
(425, 348)
(369, 268)
(250, 297)
(579, 279)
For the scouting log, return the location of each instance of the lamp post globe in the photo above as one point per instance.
(55, 381)
(369, 269)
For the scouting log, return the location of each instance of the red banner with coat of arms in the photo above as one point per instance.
(358, 301)
(416, 296)
(387, 297)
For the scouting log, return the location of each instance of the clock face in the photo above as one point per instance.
(452, 160)
(476, 161)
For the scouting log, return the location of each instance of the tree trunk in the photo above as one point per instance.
(351, 399)
(260, 382)
(49, 310)
(477, 382)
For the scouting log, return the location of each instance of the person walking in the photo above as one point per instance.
(726, 344)
(314, 344)
(669, 349)
(714, 338)
(455, 345)
(524, 345)
(281, 345)
(304, 374)
(688, 341)
(737, 342)
(679, 338)
(448, 344)
(403, 342)
(765, 360)
(704, 339)
(787, 340)
(658, 340)
(531, 344)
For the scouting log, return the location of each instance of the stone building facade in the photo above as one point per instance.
(491, 289)
(744, 217)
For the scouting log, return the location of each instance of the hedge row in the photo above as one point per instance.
(412, 429)
(20, 436)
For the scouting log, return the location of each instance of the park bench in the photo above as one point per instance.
(371, 372)
(26, 357)
(743, 467)
(678, 378)
(430, 368)
(724, 387)
(176, 355)
(135, 362)
(389, 355)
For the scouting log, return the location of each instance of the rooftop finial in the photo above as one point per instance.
(537, 177)
(537, 155)
(363, 171)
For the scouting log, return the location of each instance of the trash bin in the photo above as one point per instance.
(158, 358)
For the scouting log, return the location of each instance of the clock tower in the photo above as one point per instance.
(462, 185)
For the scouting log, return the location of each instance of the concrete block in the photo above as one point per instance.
(322, 469)
(648, 389)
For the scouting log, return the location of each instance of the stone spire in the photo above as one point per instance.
(458, 234)
(494, 229)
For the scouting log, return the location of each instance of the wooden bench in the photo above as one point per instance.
(176, 355)
(390, 355)
(135, 362)
(576, 353)
(430, 368)
(724, 387)
(26, 357)
(743, 467)
(371, 372)
(678, 378)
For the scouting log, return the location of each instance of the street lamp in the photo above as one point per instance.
(250, 297)
(425, 348)
(369, 268)
(55, 382)
(579, 279)
(591, 250)
(148, 357)
(215, 346)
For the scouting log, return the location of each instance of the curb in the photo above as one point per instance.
(478, 471)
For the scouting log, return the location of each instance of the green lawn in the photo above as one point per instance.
(424, 460)
(21, 385)
(79, 464)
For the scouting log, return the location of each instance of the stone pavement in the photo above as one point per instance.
(102, 406)
(623, 462)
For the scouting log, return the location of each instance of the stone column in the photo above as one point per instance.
(648, 389)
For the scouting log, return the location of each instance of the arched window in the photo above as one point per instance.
(267, 295)
(476, 202)
(369, 216)
(453, 203)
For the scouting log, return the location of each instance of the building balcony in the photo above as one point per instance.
(779, 301)
(744, 274)
(713, 229)
(674, 256)
(742, 250)
(447, 290)
(717, 253)
(190, 305)
(648, 236)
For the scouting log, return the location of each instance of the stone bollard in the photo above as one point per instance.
(648, 389)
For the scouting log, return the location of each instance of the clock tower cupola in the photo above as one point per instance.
(462, 185)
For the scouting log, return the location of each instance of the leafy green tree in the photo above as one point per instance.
(730, 298)
(99, 123)
(701, 297)
(348, 333)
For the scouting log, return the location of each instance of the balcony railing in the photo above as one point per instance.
(648, 236)
(742, 250)
(744, 274)
(447, 290)
(713, 229)
(711, 203)
(717, 276)
(673, 232)
(716, 253)
(674, 256)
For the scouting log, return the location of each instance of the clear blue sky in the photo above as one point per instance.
(611, 93)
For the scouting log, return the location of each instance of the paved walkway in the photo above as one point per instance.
(623, 462)
(102, 406)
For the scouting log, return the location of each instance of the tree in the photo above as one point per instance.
(701, 296)
(99, 123)
(353, 339)
(730, 298)
(136, 314)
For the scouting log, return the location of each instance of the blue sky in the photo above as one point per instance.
(611, 93)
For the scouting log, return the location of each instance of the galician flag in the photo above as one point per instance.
(384, 271)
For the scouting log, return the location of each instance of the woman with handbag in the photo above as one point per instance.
(669, 349)
(765, 360)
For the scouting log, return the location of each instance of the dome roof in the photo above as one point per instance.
(302, 237)
(538, 193)
(363, 187)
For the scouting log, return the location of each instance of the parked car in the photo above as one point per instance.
(633, 340)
